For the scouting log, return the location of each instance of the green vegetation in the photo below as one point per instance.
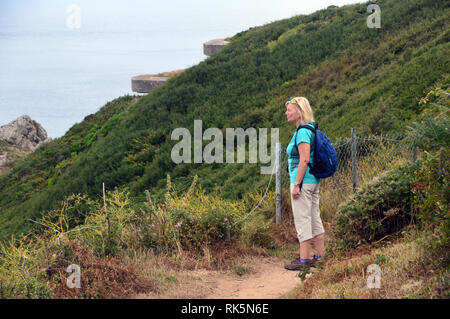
(37, 173)
(381, 208)
(33, 265)
(410, 193)
(409, 201)
(347, 71)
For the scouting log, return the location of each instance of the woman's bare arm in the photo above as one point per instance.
(304, 151)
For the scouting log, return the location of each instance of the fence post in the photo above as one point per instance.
(354, 169)
(414, 153)
(108, 227)
(278, 183)
(150, 204)
(227, 231)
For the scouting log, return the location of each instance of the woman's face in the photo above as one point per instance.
(291, 113)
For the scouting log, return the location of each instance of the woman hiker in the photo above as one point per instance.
(304, 186)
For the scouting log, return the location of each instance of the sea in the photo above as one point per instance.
(63, 60)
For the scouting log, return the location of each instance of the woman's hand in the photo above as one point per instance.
(295, 192)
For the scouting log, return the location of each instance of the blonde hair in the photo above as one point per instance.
(304, 109)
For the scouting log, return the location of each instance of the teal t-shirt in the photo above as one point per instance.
(307, 136)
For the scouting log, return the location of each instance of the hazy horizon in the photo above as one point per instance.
(58, 75)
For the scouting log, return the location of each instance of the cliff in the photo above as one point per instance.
(18, 138)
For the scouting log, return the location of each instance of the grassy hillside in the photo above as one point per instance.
(353, 76)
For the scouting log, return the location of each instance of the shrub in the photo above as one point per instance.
(34, 266)
(22, 268)
(431, 185)
(256, 232)
(410, 192)
(108, 228)
(195, 219)
(380, 208)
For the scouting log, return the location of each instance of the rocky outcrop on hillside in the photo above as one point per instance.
(18, 138)
(24, 133)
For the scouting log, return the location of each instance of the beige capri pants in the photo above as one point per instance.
(306, 212)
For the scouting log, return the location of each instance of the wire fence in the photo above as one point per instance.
(361, 158)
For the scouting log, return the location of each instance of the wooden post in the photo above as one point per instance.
(354, 168)
(227, 231)
(107, 221)
(414, 153)
(150, 204)
(278, 183)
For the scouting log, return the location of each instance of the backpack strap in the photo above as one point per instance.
(307, 127)
(316, 126)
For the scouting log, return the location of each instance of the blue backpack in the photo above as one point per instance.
(325, 156)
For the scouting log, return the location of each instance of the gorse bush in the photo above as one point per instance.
(22, 268)
(108, 228)
(375, 154)
(180, 222)
(256, 232)
(380, 208)
(416, 192)
(431, 133)
(194, 220)
(431, 191)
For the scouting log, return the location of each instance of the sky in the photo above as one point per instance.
(58, 75)
(140, 14)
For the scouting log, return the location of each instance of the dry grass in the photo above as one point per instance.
(186, 275)
(100, 277)
(284, 233)
(404, 274)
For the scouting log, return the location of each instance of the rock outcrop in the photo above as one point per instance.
(18, 138)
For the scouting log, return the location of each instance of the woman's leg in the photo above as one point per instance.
(317, 226)
(301, 209)
(319, 244)
(305, 249)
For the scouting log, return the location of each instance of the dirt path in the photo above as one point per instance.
(267, 279)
